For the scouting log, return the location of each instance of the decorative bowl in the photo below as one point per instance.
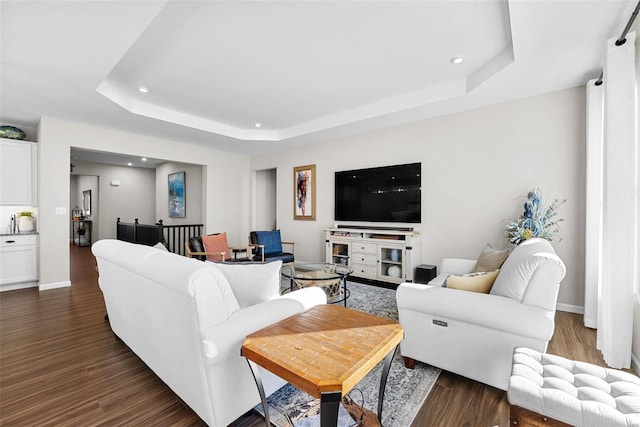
(394, 271)
(11, 132)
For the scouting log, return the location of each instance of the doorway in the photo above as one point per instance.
(84, 202)
(265, 208)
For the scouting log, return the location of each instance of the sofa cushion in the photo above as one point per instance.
(252, 283)
(271, 240)
(490, 259)
(474, 282)
(216, 243)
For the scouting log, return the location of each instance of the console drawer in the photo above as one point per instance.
(363, 258)
(364, 248)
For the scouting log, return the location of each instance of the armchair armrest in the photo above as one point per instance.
(190, 254)
(486, 310)
(224, 340)
(292, 244)
(260, 250)
(238, 249)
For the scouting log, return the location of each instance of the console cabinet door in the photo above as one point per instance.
(17, 177)
(338, 253)
(392, 265)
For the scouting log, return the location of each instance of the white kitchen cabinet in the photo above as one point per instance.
(18, 169)
(18, 261)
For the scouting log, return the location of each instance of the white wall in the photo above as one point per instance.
(226, 181)
(135, 197)
(194, 194)
(477, 167)
(74, 199)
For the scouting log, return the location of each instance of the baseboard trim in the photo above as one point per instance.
(591, 323)
(578, 309)
(15, 286)
(55, 285)
(373, 282)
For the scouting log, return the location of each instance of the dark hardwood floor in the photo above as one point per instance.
(61, 365)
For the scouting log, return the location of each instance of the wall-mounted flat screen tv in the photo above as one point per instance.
(382, 194)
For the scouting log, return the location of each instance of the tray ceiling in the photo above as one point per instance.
(304, 71)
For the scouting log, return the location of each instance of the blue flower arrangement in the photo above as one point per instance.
(537, 220)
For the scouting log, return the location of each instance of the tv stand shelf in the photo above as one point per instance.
(384, 254)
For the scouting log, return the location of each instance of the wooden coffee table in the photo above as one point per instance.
(325, 352)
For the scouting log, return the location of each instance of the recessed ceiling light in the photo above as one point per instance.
(143, 89)
(129, 164)
(257, 125)
(144, 159)
(457, 60)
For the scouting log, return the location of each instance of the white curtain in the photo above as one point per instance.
(593, 202)
(611, 276)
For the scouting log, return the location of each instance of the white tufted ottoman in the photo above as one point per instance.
(551, 390)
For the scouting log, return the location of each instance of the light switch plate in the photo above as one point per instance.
(61, 211)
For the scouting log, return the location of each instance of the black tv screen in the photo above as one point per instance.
(383, 194)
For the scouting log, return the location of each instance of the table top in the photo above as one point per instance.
(328, 348)
(315, 271)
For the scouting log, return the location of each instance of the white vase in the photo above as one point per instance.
(25, 223)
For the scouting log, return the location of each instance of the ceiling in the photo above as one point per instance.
(81, 157)
(305, 71)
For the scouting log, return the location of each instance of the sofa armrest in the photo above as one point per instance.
(484, 310)
(452, 266)
(224, 340)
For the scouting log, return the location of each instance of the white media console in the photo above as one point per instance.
(386, 255)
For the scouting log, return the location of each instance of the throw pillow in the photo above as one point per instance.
(490, 259)
(271, 240)
(216, 243)
(252, 283)
(474, 282)
(160, 246)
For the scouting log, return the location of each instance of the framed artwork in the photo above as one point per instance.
(304, 192)
(176, 195)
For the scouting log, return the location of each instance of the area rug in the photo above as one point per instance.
(406, 389)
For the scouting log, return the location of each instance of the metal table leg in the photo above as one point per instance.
(329, 405)
(344, 288)
(383, 381)
(263, 398)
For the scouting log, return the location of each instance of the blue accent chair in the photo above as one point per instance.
(267, 246)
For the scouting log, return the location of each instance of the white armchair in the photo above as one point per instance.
(474, 334)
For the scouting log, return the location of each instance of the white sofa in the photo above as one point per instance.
(187, 319)
(474, 334)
